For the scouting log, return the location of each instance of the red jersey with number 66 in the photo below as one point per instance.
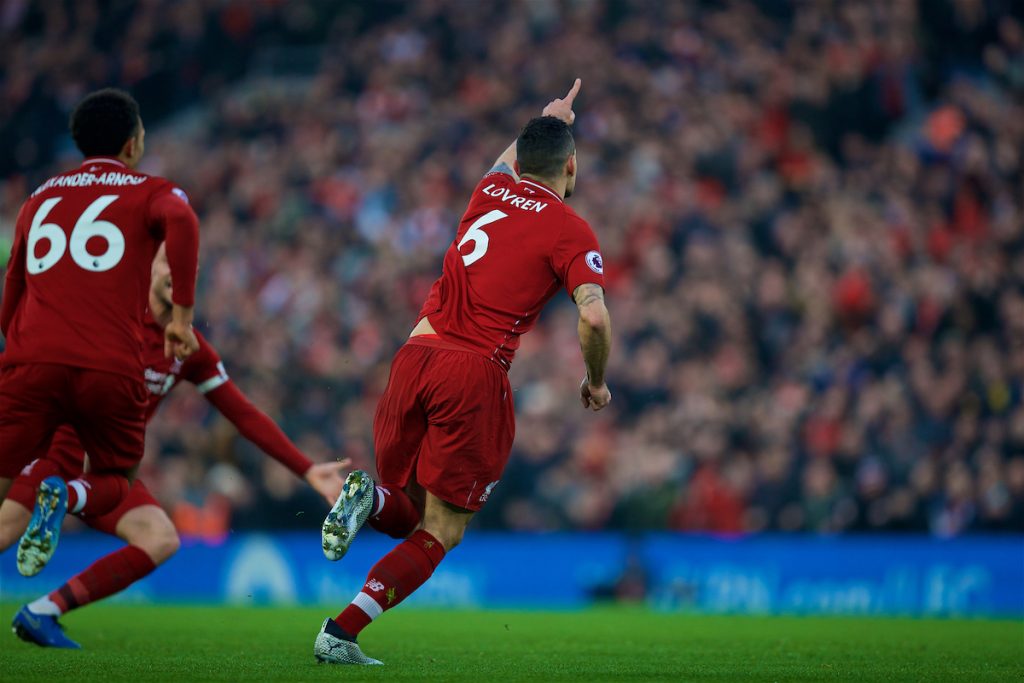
(518, 243)
(79, 274)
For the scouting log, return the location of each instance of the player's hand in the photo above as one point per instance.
(179, 340)
(562, 108)
(594, 397)
(325, 478)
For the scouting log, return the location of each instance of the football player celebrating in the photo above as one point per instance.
(73, 315)
(139, 520)
(444, 426)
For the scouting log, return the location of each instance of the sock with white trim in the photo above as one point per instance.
(44, 606)
(394, 578)
(393, 513)
(108, 575)
(95, 494)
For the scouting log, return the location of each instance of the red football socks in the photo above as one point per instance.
(106, 576)
(394, 578)
(394, 513)
(96, 494)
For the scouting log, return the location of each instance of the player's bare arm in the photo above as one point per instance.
(325, 478)
(560, 108)
(595, 331)
(506, 162)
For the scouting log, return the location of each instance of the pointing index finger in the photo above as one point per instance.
(573, 91)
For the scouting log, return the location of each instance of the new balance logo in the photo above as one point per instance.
(375, 585)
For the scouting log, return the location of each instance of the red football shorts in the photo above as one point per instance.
(23, 492)
(445, 420)
(107, 411)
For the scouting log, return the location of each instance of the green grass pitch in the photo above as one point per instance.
(139, 644)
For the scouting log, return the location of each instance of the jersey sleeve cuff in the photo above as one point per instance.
(212, 383)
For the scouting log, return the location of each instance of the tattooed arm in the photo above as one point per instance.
(595, 330)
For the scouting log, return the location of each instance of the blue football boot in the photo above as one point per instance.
(40, 538)
(41, 629)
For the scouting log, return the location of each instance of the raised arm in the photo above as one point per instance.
(559, 108)
(595, 330)
(506, 163)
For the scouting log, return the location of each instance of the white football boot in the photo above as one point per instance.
(334, 647)
(348, 515)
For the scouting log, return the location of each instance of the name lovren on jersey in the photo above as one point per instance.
(85, 179)
(513, 199)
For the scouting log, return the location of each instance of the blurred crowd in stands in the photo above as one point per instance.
(811, 213)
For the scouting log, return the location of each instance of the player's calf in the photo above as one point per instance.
(149, 528)
(445, 522)
(106, 576)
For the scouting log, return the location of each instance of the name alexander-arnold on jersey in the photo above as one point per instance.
(85, 179)
(513, 199)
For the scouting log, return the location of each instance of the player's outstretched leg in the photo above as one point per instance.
(40, 538)
(37, 622)
(334, 646)
(41, 629)
(397, 575)
(348, 515)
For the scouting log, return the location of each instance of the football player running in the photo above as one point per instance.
(73, 312)
(140, 520)
(443, 429)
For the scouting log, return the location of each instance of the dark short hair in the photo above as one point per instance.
(104, 121)
(543, 147)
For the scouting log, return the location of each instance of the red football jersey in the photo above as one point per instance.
(78, 279)
(203, 368)
(517, 244)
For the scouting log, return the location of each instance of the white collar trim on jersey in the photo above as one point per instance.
(548, 190)
(103, 160)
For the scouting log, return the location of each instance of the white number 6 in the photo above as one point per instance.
(48, 231)
(479, 237)
(86, 227)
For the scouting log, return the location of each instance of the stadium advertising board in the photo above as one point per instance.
(761, 574)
